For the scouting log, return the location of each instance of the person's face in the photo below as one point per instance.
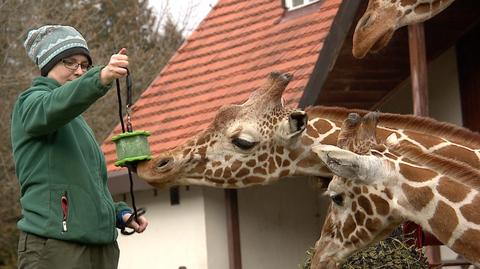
(69, 68)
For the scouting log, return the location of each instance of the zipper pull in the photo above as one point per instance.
(64, 202)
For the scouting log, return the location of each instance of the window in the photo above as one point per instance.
(294, 4)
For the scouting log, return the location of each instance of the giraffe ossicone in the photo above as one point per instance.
(375, 188)
(383, 17)
(261, 141)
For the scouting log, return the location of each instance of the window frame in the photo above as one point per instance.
(289, 4)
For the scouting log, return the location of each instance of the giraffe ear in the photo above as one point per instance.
(297, 122)
(341, 162)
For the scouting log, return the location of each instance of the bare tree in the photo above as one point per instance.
(107, 25)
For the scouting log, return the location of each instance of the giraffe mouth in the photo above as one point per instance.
(382, 41)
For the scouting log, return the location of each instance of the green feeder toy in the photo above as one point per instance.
(132, 147)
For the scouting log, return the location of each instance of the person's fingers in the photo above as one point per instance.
(123, 51)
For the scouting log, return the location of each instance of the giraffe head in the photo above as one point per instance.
(245, 144)
(383, 17)
(360, 213)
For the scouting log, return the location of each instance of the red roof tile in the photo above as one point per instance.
(229, 55)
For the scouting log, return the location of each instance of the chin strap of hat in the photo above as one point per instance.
(130, 167)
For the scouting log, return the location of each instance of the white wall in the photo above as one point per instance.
(278, 223)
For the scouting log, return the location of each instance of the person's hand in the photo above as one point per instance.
(116, 67)
(139, 226)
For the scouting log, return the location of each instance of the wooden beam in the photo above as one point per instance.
(233, 229)
(419, 78)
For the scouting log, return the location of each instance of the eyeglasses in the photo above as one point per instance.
(72, 65)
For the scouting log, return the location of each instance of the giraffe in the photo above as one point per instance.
(261, 141)
(377, 186)
(383, 17)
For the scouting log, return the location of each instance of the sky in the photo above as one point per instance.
(188, 13)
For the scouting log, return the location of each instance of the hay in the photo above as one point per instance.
(392, 252)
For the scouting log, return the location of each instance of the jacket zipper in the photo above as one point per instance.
(64, 202)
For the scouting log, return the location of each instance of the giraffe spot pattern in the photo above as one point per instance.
(422, 8)
(425, 140)
(471, 211)
(460, 154)
(252, 180)
(382, 207)
(322, 126)
(242, 173)
(363, 235)
(348, 227)
(443, 222)
(373, 224)
(467, 244)
(259, 171)
(406, 3)
(251, 163)
(236, 165)
(418, 198)
(309, 160)
(311, 132)
(262, 157)
(452, 190)
(331, 139)
(365, 204)
(416, 174)
(360, 218)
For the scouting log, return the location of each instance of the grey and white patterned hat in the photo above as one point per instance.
(49, 44)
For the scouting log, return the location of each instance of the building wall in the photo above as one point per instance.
(279, 222)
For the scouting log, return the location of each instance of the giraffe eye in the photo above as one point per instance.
(243, 144)
(337, 199)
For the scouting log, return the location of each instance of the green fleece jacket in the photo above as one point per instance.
(57, 159)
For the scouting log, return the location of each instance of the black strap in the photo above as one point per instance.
(140, 211)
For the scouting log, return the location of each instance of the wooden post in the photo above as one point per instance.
(419, 75)
(233, 229)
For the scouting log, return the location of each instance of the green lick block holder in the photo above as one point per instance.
(132, 147)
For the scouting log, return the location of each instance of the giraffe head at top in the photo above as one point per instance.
(377, 185)
(256, 142)
(383, 17)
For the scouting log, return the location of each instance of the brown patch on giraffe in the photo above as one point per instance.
(376, 154)
(331, 139)
(373, 224)
(423, 8)
(202, 151)
(251, 163)
(467, 244)
(416, 174)
(271, 165)
(217, 181)
(285, 163)
(279, 150)
(236, 165)
(218, 172)
(208, 172)
(307, 141)
(354, 206)
(186, 152)
(228, 157)
(360, 217)
(252, 180)
(382, 207)
(453, 152)
(278, 160)
(425, 140)
(363, 235)
(311, 132)
(227, 173)
(354, 239)
(417, 197)
(213, 142)
(322, 126)
(262, 157)
(348, 227)
(406, 3)
(470, 211)
(452, 190)
(294, 154)
(216, 163)
(443, 222)
(242, 173)
(284, 173)
(382, 134)
(388, 193)
(309, 161)
(364, 189)
(259, 171)
(365, 204)
(436, 5)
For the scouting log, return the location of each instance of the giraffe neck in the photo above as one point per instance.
(439, 194)
(417, 11)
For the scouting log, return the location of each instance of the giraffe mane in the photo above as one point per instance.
(426, 125)
(454, 169)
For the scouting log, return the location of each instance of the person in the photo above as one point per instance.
(69, 218)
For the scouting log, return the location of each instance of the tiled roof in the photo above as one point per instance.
(229, 55)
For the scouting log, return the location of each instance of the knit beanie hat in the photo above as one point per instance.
(49, 44)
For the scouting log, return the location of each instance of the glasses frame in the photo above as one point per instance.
(73, 65)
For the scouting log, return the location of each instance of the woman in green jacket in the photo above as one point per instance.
(69, 218)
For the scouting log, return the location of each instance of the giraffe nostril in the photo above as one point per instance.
(164, 164)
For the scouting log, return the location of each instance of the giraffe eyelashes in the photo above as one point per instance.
(337, 199)
(243, 144)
